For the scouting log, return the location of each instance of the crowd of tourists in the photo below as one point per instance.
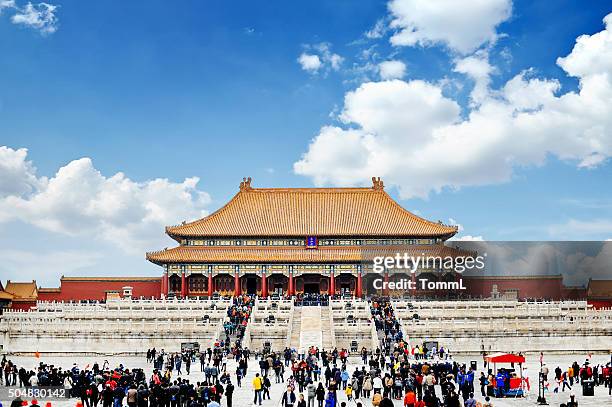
(575, 374)
(396, 371)
(311, 299)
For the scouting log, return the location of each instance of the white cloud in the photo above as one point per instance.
(17, 175)
(581, 229)
(378, 31)
(40, 16)
(319, 56)
(476, 67)
(4, 4)
(592, 53)
(335, 61)
(80, 201)
(412, 135)
(392, 70)
(460, 229)
(310, 63)
(462, 26)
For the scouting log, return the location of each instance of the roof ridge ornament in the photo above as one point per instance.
(377, 184)
(245, 185)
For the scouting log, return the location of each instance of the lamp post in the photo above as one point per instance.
(541, 397)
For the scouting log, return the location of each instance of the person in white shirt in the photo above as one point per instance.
(33, 381)
(377, 384)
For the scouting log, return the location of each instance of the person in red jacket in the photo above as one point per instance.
(409, 399)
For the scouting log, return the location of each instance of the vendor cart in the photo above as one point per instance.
(504, 385)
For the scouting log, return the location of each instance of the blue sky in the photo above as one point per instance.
(215, 90)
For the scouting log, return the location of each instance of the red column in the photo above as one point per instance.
(164, 285)
(236, 284)
(264, 285)
(359, 289)
(414, 283)
(386, 285)
(183, 285)
(290, 289)
(332, 283)
(210, 285)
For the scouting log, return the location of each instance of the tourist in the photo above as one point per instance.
(349, 392)
(470, 402)
(288, 398)
(376, 398)
(330, 399)
(257, 386)
(367, 386)
(320, 392)
(386, 402)
(572, 401)
(213, 403)
(488, 402)
(311, 393)
(409, 398)
(483, 383)
(452, 400)
(266, 388)
(229, 392)
(301, 401)
(131, 396)
(377, 385)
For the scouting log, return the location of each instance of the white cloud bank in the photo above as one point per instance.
(392, 70)
(319, 57)
(412, 135)
(310, 63)
(40, 16)
(79, 201)
(462, 26)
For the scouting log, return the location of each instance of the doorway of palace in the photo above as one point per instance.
(278, 284)
(346, 283)
(311, 288)
(311, 284)
(251, 284)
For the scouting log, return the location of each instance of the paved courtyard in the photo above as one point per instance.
(243, 396)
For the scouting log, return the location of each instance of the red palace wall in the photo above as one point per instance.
(96, 289)
(22, 305)
(528, 287)
(600, 303)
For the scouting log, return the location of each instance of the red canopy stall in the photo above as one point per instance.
(495, 358)
(501, 357)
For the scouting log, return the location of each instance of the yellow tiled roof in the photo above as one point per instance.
(25, 291)
(6, 296)
(311, 212)
(600, 289)
(288, 254)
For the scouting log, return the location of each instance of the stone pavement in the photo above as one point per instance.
(310, 332)
(244, 396)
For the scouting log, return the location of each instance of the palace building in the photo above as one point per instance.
(292, 240)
